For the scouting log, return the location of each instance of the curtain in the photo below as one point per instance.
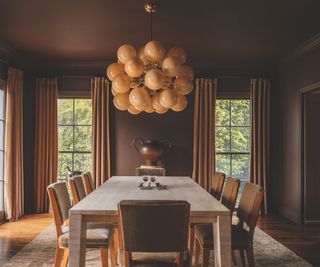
(46, 140)
(13, 163)
(101, 135)
(260, 136)
(204, 132)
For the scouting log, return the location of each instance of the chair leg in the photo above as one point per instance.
(112, 253)
(104, 257)
(65, 258)
(242, 257)
(250, 256)
(191, 242)
(127, 259)
(180, 259)
(196, 253)
(116, 243)
(205, 257)
(58, 256)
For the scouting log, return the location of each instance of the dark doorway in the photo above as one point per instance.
(311, 156)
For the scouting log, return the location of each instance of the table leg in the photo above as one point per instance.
(77, 241)
(222, 241)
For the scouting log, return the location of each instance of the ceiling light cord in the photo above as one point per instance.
(151, 33)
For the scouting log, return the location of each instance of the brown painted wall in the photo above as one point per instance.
(294, 75)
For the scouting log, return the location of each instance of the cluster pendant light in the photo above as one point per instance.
(150, 79)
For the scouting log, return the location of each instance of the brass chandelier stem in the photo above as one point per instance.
(151, 7)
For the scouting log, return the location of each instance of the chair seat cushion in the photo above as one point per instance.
(239, 236)
(97, 237)
(156, 259)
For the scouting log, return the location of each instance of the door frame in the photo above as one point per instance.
(302, 152)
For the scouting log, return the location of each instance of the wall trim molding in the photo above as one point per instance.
(302, 49)
(289, 214)
(7, 53)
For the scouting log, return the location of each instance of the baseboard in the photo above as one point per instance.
(289, 214)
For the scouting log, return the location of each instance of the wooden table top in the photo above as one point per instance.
(103, 201)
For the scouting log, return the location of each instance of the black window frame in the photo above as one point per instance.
(63, 176)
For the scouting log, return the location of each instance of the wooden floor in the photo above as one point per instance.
(15, 235)
(302, 240)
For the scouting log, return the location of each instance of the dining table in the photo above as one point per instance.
(102, 206)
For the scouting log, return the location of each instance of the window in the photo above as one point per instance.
(74, 135)
(233, 128)
(2, 125)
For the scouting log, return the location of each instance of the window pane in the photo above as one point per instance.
(240, 139)
(240, 166)
(222, 139)
(65, 160)
(83, 112)
(2, 105)
(65, 111)
(82, 162)
(223, 163)
(240, 112)
(82, 138)
(65, 138)
(1, 166)
(223, 112)
(1, 135)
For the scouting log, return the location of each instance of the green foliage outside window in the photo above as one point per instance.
(233, 127)
(74, 135)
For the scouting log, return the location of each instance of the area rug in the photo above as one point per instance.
(40, 253)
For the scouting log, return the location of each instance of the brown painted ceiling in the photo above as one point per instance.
(213, 32)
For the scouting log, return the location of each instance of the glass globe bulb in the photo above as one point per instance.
(150, 108)
(121, 101)
(181, 103)
(168, 98)
(171, 66)
(154, 79)
(143, 57)
(186, 71)
(133, 110)
(162, 110)
(179, 53)
(154, 51)
(121, 83)
(139, 98)
(126, 52)
(113, 92)
(134, 67)
(156, 102)
(114, 69)
(183, 85)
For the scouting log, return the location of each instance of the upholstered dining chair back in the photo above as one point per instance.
(249, 205)
(217, 184)
(60, 203)
(230, 192)
(88, 182)
(154, 226)
(77, 189)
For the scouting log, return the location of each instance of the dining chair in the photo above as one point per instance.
(77, 189)
(228, 199)
(88, 182)
(217, 182)
(159, 227)
(241, 237)
(97, 237)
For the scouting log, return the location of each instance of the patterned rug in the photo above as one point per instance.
(40, 253)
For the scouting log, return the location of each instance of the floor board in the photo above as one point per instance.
(15, 235)
(304, 240)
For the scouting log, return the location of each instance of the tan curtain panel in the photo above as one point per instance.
(13, 146)
(260, 136)
(101, 135)
(204, 132)
(46, 142)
